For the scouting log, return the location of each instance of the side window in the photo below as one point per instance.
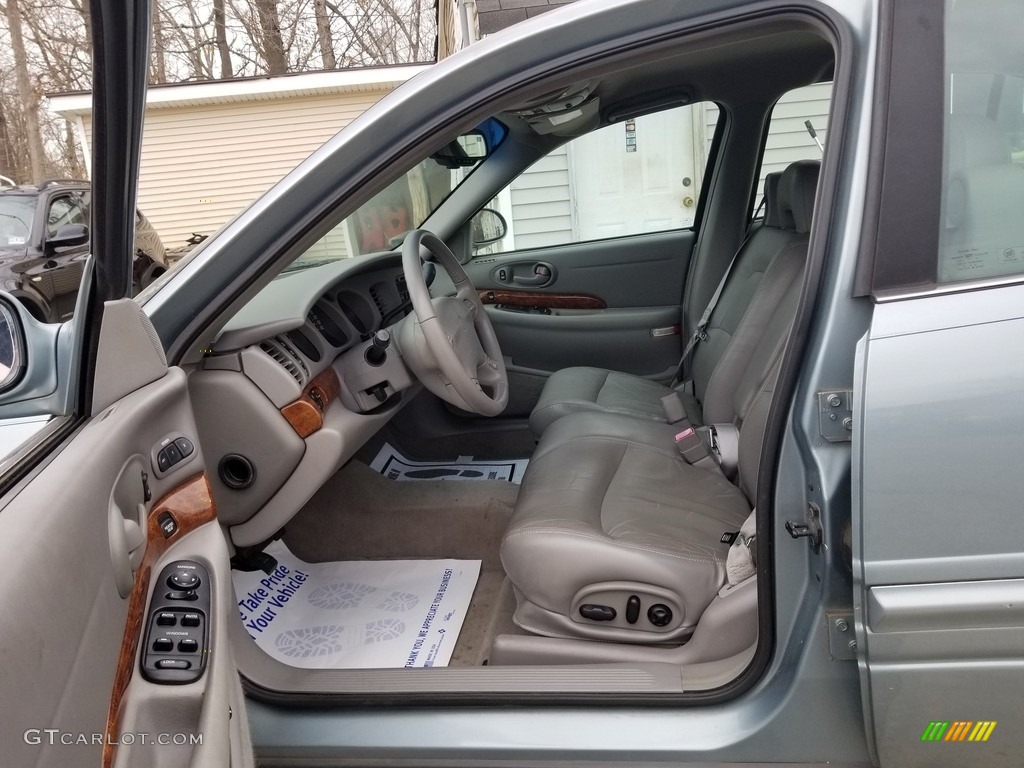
(797, 131)
(952, 187)
(982, 230)
(68, 209)
(639, 175)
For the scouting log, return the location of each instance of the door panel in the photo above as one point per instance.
(599, 308)
(637, 271)
(937, 497)
(620, 339)
(639, 281)
(64, 619)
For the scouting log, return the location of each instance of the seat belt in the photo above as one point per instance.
(699, 332)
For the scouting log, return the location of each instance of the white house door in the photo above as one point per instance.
(636, 176)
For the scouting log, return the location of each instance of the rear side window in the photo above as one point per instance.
(797, 131)
(637, 176)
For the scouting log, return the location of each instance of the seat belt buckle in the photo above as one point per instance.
(673, 408)
(692, 446)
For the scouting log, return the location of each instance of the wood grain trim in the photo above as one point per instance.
(546, 300)
(191, 505)
(305, 415)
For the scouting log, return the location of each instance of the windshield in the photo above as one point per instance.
(381, 223)
(16, 213)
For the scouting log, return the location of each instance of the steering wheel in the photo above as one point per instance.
(449, 342)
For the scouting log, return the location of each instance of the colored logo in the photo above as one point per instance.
(958, 730)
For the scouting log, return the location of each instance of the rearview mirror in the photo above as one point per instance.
(69, 235)
(466, 151)
(488, 226)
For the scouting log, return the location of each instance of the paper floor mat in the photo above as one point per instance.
(394, 466)
(356, 614)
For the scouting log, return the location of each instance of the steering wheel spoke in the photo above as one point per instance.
(454, 342)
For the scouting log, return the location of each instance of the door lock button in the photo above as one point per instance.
(174, 664)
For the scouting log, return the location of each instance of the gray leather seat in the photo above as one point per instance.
(764, 266)
(614, 535)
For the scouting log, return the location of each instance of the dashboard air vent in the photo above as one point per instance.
(377, 294)
(403, 289)
(284, 353)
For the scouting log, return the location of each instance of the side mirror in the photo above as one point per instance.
(488, 226)
(12, 347)
(68, 235)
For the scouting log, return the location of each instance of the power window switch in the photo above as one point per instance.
(190, 620)
(188, 646)
(166, 619)
(163, 645)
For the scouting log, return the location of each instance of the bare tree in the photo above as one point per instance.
(221, 35)
(323, 34)
(26, 92)
(45, 47)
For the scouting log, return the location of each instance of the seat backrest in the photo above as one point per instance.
(765, 268)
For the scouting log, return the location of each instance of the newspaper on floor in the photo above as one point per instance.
(394, 466)
(358, 614)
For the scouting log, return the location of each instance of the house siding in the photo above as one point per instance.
(541, 209)
(202, 165)
(788, 140)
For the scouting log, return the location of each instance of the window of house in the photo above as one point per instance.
(637, 176)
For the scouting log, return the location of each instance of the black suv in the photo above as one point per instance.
(44, 242)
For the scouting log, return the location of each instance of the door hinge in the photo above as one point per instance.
(842, 643)
(809, 529)
(835, 415)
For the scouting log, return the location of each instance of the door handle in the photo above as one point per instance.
(542, 275)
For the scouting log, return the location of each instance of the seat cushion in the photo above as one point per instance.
(608, 509)
(575, 390)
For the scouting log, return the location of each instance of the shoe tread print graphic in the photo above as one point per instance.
(347, 595)
(340, 596)
(398, 602)
(328, 639)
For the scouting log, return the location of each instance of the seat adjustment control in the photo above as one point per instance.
(632, 609)
(659, 615)
(597, 612)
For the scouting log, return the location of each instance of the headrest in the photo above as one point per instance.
(771, 200)
(975, 140)
(795, 197)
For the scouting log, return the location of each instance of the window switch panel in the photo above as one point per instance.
(177, 633)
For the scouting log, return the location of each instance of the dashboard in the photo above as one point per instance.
(296, 383)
